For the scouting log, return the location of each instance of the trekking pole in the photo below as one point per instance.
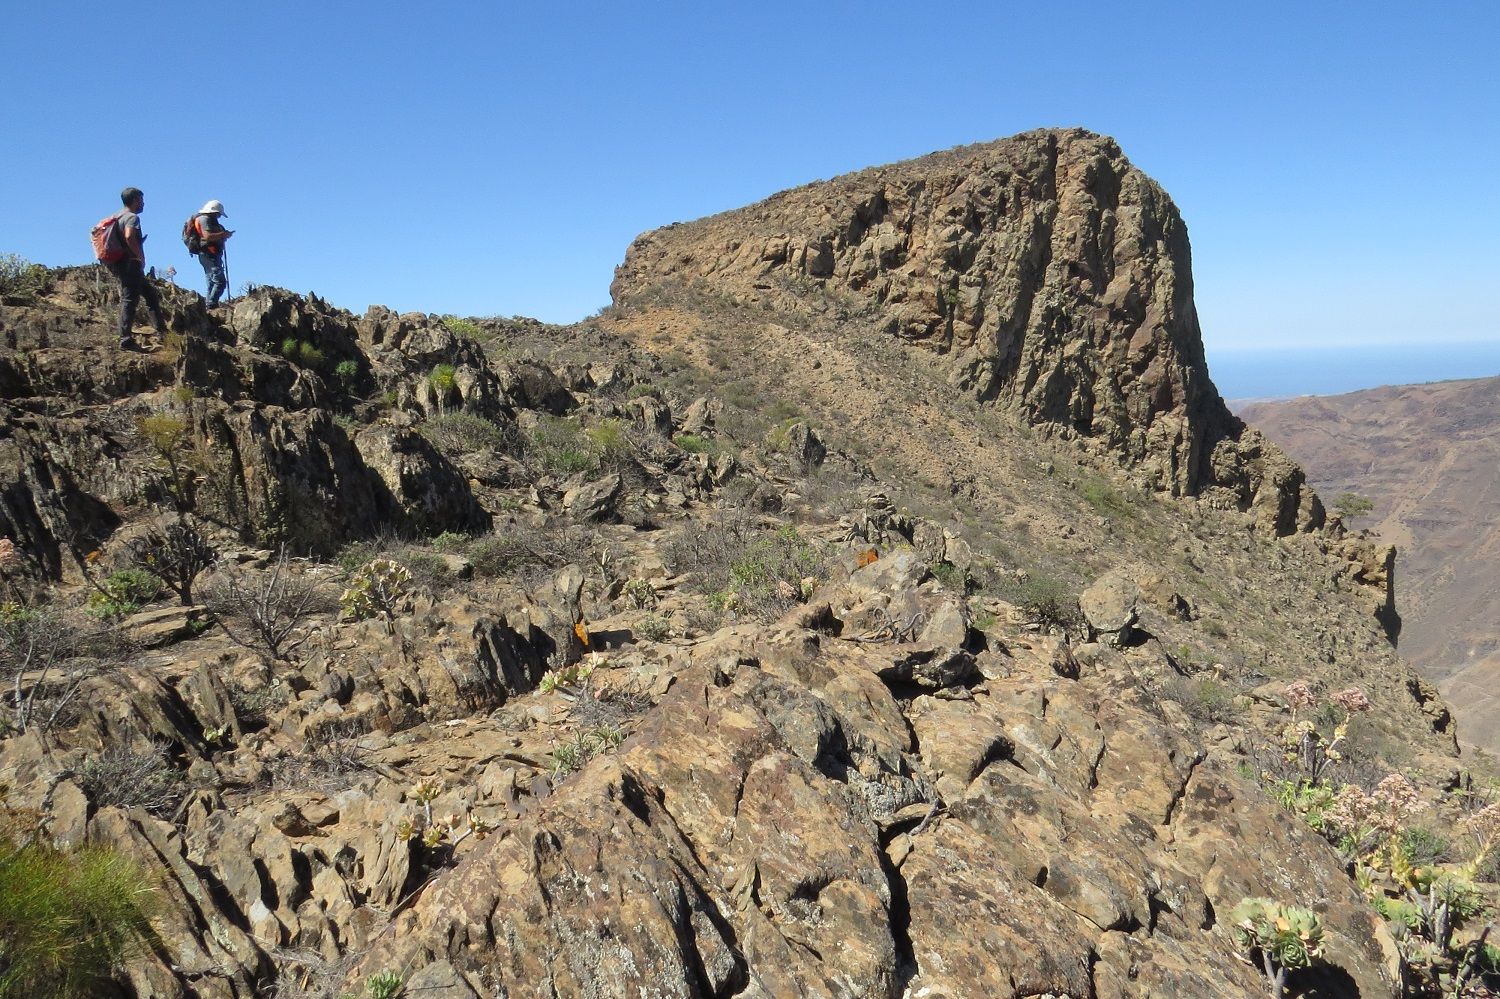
(224, 254)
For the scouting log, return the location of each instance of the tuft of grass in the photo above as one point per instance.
(68, 918)
(443, 380)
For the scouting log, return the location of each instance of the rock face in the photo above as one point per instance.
(1052, 276)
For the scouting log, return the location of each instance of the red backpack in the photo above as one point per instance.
(108, 246)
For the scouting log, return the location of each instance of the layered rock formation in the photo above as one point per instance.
(1053, 276)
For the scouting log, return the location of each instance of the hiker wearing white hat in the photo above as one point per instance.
(211, 237)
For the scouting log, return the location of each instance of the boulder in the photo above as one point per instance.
(1110, 607)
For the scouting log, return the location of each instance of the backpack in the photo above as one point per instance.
(108, 246)
(192, 237)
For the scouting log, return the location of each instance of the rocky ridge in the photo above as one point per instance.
(756, 662)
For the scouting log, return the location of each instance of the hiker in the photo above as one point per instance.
(130, 268)
(211, 237)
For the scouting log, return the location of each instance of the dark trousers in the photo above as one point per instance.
(134, 286)
(213, 267)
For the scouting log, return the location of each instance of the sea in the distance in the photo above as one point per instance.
(1245, 374)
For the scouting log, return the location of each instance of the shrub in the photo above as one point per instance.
(427, 570)
(559, 446)
(608, 439)
(376, 590)
(443, 381)
(124, 592)
(1205, 699)
(68, 918)
(263, 611)
(1105, 499)
(951, 576)
(653, 628)
(694, 444)
(331, 760)
(346, 371)
(177, 552)
(309, 356)
(44, 660)
(1044, 600)
(461, 327)
(463, 433)
(1351, 506)
(762, 573)
(127, 779)
(639, 594)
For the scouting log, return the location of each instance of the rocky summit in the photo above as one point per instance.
(877, 600)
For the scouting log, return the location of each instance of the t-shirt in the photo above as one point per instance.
(210, 224)
(128, 220)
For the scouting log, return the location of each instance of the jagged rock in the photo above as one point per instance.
(594, 500)
(700, 415)
(426, 488)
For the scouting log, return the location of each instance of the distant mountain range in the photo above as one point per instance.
(1428, 456)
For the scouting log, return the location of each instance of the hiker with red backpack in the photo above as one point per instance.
(205, 237)
(119, 244)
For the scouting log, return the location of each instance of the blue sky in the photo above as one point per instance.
(1336, 162)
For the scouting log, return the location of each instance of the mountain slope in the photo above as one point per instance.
(1428, 456)
(836, 616)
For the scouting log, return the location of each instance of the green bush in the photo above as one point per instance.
(461, 327)
(124, 592)
(346, 371)
(694, 444)
(67, 919)
(1105, 499)
(443, 380)
(309, 356)
(1351, 506)
(289, 348)
(1046, 601)
(560, 446)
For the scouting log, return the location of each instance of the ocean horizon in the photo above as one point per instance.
(1252, 374)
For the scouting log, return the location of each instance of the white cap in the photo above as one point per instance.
(213, 208)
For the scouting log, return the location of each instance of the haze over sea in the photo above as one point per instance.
(1243, 374)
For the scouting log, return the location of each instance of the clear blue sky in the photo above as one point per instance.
(1336, 162)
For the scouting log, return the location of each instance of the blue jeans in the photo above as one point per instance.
(213, 266)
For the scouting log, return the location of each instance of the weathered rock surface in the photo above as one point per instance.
(1053, 277)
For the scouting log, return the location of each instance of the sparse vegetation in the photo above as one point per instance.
(574, 755)
(1045, 601)
(21, 281)
(124, 778)
(461, 433)
(264, 611)
(746, 570)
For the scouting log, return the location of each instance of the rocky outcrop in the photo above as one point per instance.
(1052, 276)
